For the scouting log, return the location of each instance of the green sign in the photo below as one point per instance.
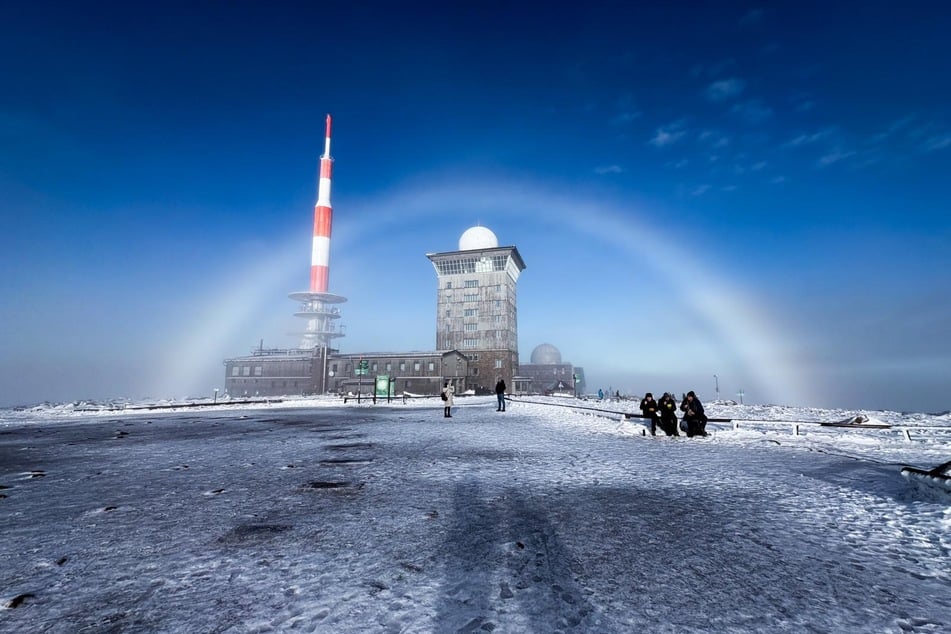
(364, 364)
(383, 385)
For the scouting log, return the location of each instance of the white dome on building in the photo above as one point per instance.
(478, 238)
(546, 354)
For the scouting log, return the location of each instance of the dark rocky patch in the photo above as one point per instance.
(20, 599)
(245, 533)
(327, 485)
(352, 445)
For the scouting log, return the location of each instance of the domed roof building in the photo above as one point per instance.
(546, 354)
(549, 375)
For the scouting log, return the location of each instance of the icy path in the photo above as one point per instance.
(361, 519)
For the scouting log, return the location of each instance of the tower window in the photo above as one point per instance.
(472, 283)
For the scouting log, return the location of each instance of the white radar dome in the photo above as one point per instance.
(478, 238)
(546, 354)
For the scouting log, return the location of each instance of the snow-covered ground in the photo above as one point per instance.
(312, 515)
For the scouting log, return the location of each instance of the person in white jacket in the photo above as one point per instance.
(446, 396)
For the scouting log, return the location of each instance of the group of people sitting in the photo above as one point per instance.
(663, 414)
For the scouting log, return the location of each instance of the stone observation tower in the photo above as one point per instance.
(476, 306)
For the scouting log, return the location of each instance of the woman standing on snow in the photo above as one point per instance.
(446, 396)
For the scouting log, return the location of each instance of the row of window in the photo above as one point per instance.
(245, 370)
(273, 384)
(387, 367)
(472, 265)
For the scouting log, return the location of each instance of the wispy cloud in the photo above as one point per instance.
(755, 167)
(713, 69)
(609, 169)
(834, 156)
(805, 139)
(938, 142)
(625, 117)
(930, 137)
(714, 139)
(778, 180)
(682, 163)
(700, 190)
(725, 89)
(754, 111)
(669, 134)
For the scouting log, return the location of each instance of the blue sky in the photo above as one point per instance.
(757, 192)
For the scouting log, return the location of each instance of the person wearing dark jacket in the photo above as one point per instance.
(668, 414)
(500, 394)
(649, 409)
(694, 417)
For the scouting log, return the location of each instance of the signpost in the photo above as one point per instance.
(362, 369)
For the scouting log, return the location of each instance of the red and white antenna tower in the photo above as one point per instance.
(316, 304)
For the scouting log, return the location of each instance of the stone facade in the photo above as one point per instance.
(476, 311)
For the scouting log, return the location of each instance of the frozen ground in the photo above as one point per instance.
(320, 517)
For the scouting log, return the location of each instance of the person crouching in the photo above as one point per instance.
(694, 417)
(668, 414)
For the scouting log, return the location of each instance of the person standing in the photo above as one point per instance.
(668, 414)
(500, 394)
(694, 417)
(446, 396)
(649, 409)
